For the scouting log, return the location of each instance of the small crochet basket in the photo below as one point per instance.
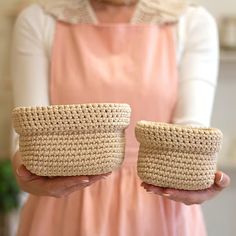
(70, 140)
(177, 156)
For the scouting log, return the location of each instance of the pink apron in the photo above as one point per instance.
(134, 64)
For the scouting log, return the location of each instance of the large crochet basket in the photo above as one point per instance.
(70, 140)
(177, 156)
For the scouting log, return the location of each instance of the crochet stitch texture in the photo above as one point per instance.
(176, 156)
(147, 11)
(69, 140)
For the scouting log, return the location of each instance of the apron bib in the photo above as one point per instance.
(132, 64)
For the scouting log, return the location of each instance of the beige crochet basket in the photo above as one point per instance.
(70, 140)
(177, 156)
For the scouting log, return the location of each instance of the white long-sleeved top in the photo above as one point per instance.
(197, 56)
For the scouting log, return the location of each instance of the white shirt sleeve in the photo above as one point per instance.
(30, 62)
(198, 67)
(198, 62)
(30, 59)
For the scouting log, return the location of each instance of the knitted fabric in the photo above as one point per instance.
(147, 11)
(69, 140)
(175, 156)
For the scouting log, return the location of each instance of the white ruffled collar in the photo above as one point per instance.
(147, 11)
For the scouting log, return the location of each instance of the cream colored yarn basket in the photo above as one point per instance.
(70, 140)
(177, 156)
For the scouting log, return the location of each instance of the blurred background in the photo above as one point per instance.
(219, 213)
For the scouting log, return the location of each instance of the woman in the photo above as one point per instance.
(161, 57)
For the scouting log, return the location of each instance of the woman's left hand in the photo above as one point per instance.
(192, 197)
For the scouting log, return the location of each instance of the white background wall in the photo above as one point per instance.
(219, 7)
(220, 213)
(5, 88)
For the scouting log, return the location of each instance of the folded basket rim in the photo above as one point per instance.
(86, 117)
(176, 127)
(179, 138)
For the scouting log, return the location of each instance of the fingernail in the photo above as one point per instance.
(85, 181)
(221, 178)
(166, 195)
(23, 172)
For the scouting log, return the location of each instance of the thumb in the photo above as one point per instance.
(24, 174)
(222, 180)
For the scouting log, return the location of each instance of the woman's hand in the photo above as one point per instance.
(192, 197)
(45, 186)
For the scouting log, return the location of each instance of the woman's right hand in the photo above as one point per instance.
(45, 186)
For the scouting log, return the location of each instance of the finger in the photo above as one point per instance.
(88, 179)
(147, 186)
(107, 174)
(56, 187)
(191, 197)
(31, 183)
(92, 179)
(196, 197)
(187, 197)
(97, 177)
(69, 189)
(24, 174)
(221, 181)
(67, 182)
(152, 188)
(75, 189)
